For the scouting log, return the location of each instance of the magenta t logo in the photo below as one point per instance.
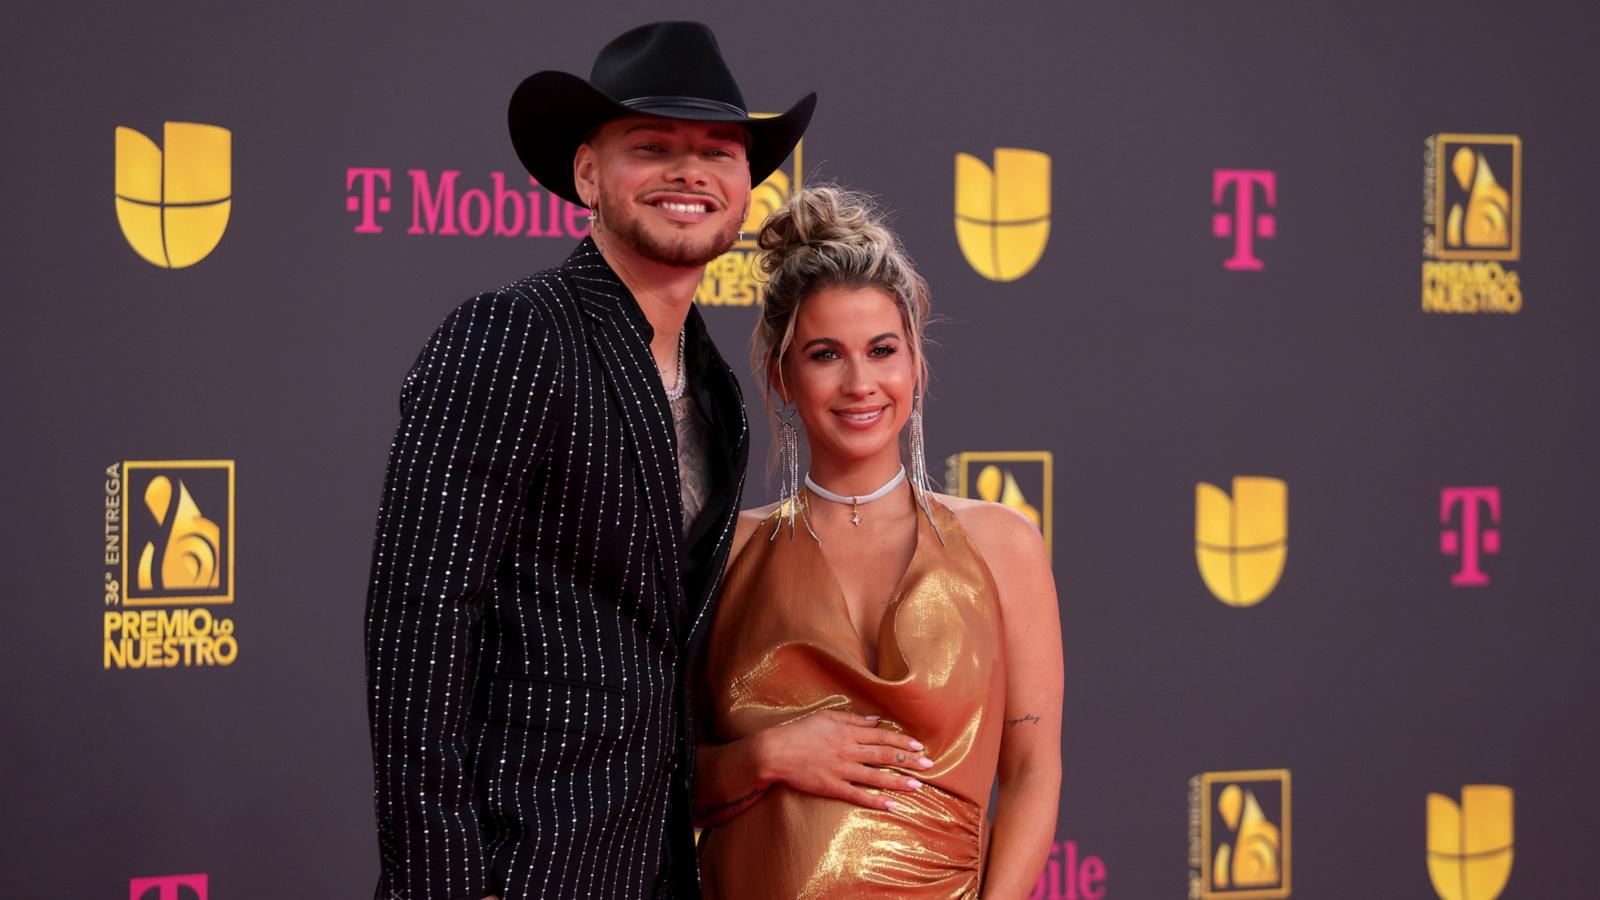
(1471, 539)
(1244, 225)
(366, 202)
(166, 888)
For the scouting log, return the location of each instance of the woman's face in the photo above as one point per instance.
(850, 373)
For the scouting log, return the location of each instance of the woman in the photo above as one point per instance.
(879, 654)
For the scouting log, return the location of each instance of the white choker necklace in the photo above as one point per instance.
(856, 501)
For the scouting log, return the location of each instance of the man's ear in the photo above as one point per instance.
(585, 169)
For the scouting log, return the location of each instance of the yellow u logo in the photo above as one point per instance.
(1470, 845)
(1003, 214)
(173, 205)
(1241, 542)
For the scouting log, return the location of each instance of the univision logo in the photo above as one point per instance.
(1470, 844)
(1242, 542)
(1003, 214)
(173, 204)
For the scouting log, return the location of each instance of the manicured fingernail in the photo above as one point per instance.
(916, 745)
(873, 718)
(925, 762)
(914, 784)
(890, 805)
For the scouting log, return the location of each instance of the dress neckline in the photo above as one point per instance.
(871, 659)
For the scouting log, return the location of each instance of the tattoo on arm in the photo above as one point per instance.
(734, 804)
(1023, 719)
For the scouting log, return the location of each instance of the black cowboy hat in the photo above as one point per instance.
(668, 69)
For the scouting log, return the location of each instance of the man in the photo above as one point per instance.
(559, 504)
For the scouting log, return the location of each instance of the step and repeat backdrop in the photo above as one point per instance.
(1278, 318)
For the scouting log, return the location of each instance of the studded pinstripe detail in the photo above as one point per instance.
(527, 625)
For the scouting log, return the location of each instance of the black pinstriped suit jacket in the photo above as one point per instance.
(533, 600)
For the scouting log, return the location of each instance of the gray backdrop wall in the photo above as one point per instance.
(261, 383)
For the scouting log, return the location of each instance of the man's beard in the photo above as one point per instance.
(681, 251)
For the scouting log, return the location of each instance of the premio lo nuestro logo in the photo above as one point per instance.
(731, 279)
(1239, 835)
(1003, 213)
(1472, 223)
(1020, 479)
(169, 557)
(173, 200)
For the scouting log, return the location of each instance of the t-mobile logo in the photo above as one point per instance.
(168, 887)
(1471, 540)
(439, 205)
(1244, 225)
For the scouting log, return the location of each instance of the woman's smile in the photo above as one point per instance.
(861, 417)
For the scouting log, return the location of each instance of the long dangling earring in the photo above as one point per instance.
(594, 216)
(789, 475)
(919, 464)
(788, 469)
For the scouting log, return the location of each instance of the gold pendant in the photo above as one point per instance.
(855, 513)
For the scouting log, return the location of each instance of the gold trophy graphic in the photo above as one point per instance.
(1485, 221)
(996, 487)
(191, 554)
(1253, 859)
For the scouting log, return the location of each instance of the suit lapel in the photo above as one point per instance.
(619, 337)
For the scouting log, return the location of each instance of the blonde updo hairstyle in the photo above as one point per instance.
(828, 237)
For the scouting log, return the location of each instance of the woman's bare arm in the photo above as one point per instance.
(1030, 748)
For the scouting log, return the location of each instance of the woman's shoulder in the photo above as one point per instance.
(1001, 533)
(1014, 552)
(994, 520)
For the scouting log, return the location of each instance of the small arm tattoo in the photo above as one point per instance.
(734, 804)
(1024, 718)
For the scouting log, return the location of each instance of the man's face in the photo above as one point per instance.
(675, 192)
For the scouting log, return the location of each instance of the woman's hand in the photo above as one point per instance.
(839, 754)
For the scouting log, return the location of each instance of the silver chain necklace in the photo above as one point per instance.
(675, 392)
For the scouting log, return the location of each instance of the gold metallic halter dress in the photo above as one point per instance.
(782, 646)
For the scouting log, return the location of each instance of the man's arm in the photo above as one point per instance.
(474, 411)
